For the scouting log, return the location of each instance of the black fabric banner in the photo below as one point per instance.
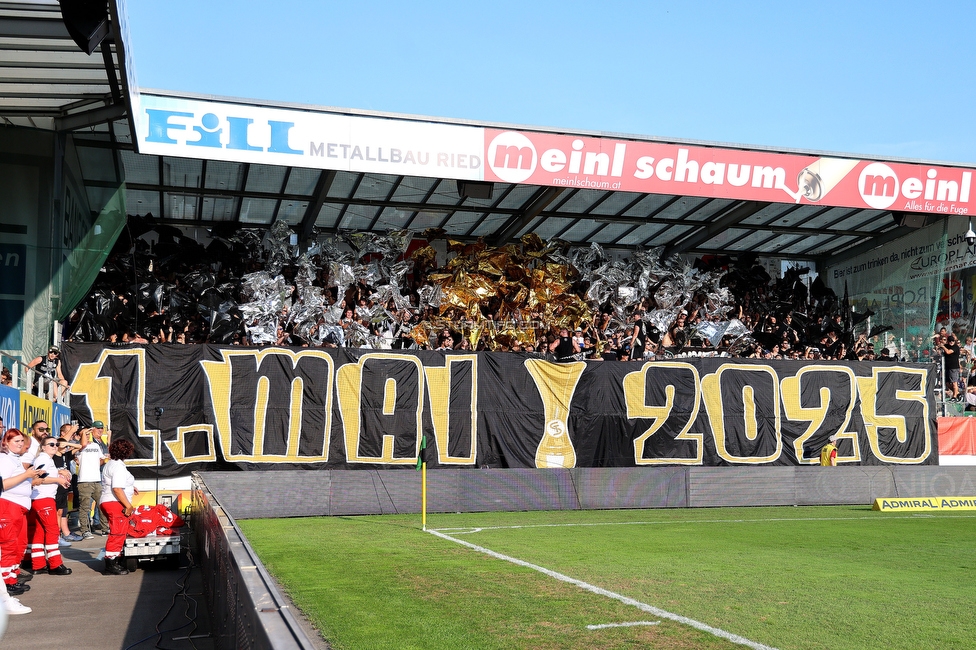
(189, 407)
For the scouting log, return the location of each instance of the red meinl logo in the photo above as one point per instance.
(512, 157)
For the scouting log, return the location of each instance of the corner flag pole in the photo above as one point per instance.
(422, 466)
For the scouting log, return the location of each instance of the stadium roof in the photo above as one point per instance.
(47, 82)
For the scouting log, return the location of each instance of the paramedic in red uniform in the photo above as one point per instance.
(118, 486)
(14, 502)
(45, 522)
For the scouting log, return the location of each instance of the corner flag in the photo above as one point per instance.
(421, 455)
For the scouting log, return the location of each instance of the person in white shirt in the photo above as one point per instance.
(46, 525)
(38, 431)
(89, 460)
(578, 337)
(118, 487)
(14, 503)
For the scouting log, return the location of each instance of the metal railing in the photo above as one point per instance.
(30, 381)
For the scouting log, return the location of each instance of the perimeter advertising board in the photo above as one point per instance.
(195, 128)
(32, 409)
(9, 406)
(266, 408)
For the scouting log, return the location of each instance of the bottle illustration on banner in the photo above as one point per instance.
(819, 177)
(556, 383)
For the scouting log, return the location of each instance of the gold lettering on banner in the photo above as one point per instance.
(792, 389)
(635, 397)
(439, 392)
(222, 386)
(556, 383)
(751, 410)
(868, 390)
(349, 380)
(97, 390)
(178, 447)
(389, 397)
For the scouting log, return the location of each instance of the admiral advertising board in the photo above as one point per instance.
(196, 128)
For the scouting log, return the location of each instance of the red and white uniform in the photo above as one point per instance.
(27, 459)
(14, 505)
(43, 519)
(116, 475)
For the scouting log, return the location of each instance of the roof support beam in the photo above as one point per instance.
(880, 240)
(90, 118)
(778, 230)
(284, 184)
(389, 197)
(448, 208)
(416, 212)
(321, 191)
(113, 80)
(240, 201)
(543, 197)
(724, 251)
(484, 215)
(732, 217)
(116, 163)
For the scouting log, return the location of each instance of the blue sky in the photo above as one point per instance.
(884, 79)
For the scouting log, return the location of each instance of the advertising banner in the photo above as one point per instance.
(929, 252)
(32, 409)
(659, 168)
(60, 415)
(895, 504)
(273, 136)
(9, 407)
(915, 284)
(198, 128)
(266, 408)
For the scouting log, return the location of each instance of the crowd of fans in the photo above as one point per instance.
(366, 291)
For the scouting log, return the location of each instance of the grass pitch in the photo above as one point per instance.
(837, 577)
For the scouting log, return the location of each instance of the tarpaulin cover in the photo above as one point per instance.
(153, 520)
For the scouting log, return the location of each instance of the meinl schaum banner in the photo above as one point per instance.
(418, 146)
(189, 407)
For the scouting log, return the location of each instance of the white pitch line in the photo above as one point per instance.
(879, 517)
(604, 626)
(650, 609)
